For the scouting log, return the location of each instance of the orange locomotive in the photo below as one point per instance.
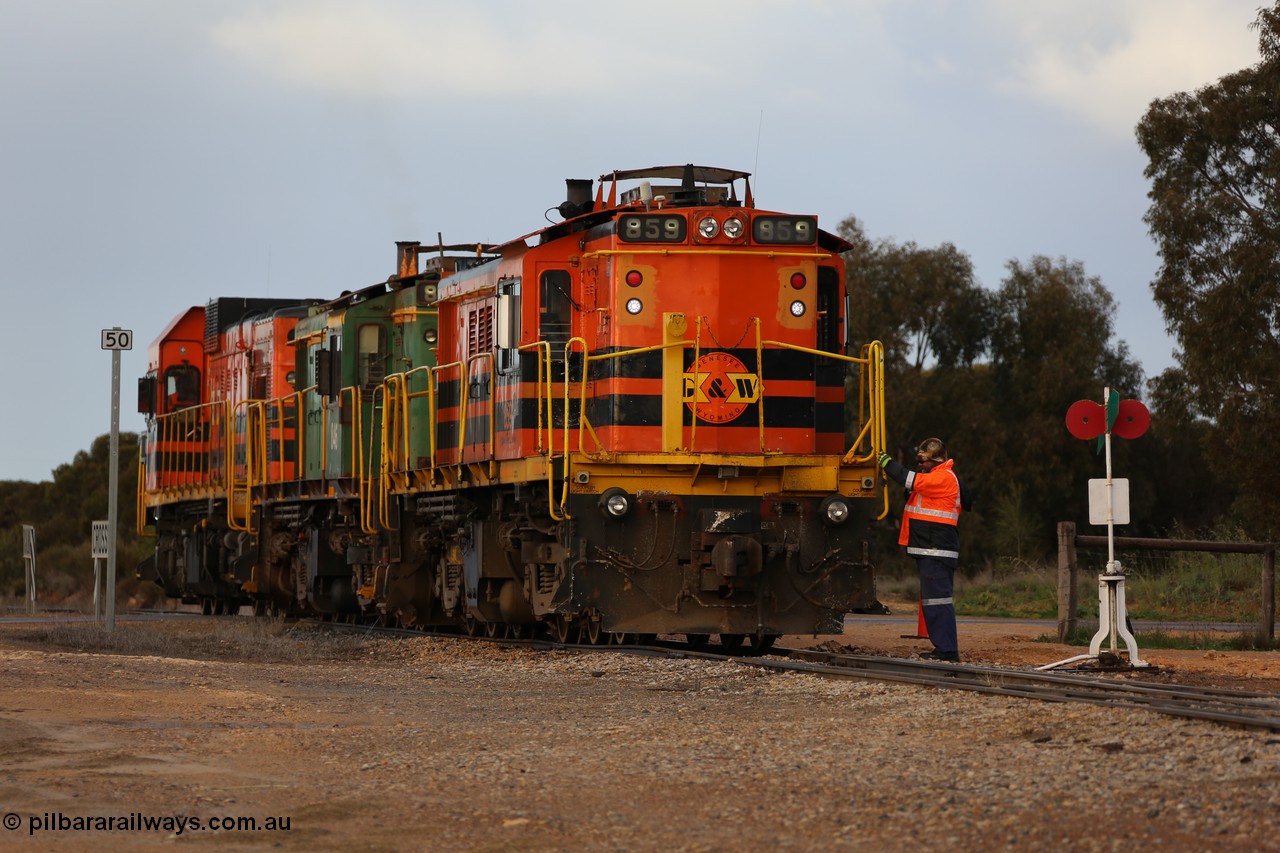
(203, 372)
(630, 422)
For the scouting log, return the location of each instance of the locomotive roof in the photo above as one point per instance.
(705, 174)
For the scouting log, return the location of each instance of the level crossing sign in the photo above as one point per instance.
(100, 540)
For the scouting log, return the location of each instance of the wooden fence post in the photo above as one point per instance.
(1066, 580)
(1269, 595)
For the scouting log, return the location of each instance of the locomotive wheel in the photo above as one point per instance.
(620, 639)
(761, 643)
(732, 642)
(470, 626)
(493, 629)
(697, 641)
(518, 632)
(563, 630)
(594, 635)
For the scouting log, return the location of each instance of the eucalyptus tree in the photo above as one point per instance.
(1051, 345)
(1214, 167)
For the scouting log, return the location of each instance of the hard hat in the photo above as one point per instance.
(931, 450)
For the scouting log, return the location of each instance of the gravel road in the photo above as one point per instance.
(431, 744)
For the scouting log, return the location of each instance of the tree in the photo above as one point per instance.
(63, 511)
(1179, 486)
(923, 304)
(934, 320)
(1051, 346)
(992, 374)
(1214, 166)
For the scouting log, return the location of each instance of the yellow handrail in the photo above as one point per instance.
(871, 394)
(140, 505)
(544, 383)
(366, 470)
(394, 428)
(234, 522)
(471, 361)
(873, 364)
(760, 374)
(186, 467)
(590, 358)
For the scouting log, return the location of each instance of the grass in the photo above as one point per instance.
(1157, 638)
(1160, 587)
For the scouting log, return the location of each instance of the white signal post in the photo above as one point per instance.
(1111, 608)
(114, 339)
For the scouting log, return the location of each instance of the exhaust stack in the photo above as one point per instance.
(577, 198)
(407, 258)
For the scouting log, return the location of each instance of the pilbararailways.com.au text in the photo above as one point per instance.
(139, 822)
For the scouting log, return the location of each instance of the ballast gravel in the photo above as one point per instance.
(430, 744)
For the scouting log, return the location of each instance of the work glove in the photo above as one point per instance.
(884, 459)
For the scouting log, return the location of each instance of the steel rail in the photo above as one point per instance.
(1222, 705)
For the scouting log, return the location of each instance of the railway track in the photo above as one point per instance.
(1239, 708)
(1220, 705)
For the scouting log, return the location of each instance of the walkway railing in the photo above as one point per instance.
(261, 443)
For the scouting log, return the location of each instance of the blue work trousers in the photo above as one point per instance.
(937, 589)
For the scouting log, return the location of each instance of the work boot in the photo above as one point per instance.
(953, 657)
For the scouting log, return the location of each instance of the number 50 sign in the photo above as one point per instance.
(117, 338)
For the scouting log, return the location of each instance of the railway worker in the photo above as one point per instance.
(935, 497)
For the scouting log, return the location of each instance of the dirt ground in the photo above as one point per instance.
(445, 745)
(1022, 643)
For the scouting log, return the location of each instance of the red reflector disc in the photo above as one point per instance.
(1132, 421)
(1086, 419)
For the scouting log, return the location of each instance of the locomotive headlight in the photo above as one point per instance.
(430, 335)
(733, 228)
(834, 510)
(708, 227)
(797, 308)
(615, 503)
(634, 306)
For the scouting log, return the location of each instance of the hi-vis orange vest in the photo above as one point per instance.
(932, 512)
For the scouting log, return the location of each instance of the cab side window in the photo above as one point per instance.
(508, 326)
(181, 387)
(372, 360)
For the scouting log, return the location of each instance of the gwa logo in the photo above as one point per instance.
(718, 387)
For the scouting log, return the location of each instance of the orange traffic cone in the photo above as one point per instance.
(922, 632)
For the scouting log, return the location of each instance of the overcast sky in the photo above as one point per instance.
(157, 153)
